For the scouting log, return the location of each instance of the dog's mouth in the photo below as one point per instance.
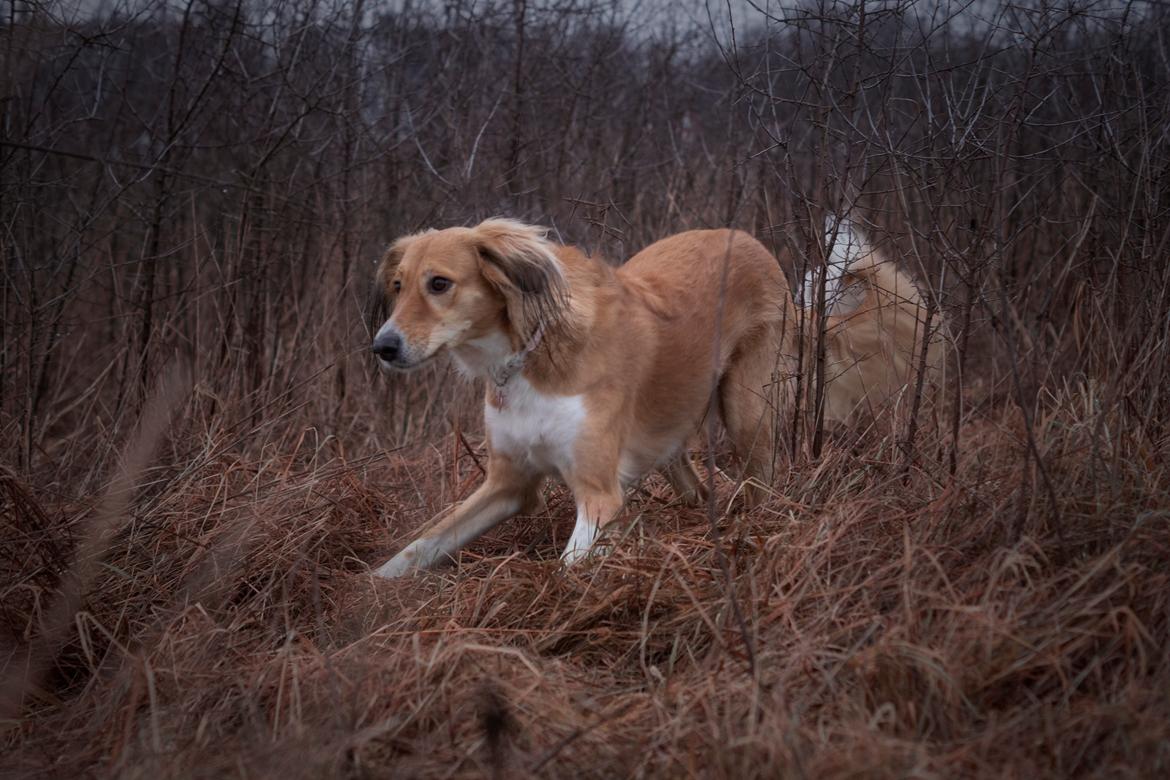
(401, 365)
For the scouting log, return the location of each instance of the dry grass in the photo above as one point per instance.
(921, 625)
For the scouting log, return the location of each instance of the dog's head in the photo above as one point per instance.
(498, 282)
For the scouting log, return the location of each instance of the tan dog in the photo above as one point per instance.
(596, 375)
(873, 329)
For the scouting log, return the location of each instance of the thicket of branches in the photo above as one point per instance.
(218, 178)
(212, 183)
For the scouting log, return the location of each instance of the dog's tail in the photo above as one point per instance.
(875, 323)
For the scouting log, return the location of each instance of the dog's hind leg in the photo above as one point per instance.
(684, 480)
(505, 492)
(753, 395)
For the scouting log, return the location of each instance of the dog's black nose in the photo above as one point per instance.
(387, 346)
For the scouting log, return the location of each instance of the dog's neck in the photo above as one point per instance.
(501, 373)
(486, 356)
(493, 357)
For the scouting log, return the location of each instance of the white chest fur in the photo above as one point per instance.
(537, 430)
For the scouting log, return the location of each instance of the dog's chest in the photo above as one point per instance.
(536, 430)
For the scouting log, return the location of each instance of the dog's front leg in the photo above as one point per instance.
(595, 510)
(505, 491)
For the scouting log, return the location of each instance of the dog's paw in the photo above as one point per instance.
(573, 555)
(580, 543)
(398, 566)
(419, 554)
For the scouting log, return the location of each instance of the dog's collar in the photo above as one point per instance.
(512, 366)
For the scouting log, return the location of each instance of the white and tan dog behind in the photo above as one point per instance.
(874, 328)
(598, 375)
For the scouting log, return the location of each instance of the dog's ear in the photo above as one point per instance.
(519, 262)
(378, 300)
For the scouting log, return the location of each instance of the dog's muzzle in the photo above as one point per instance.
(387, 346)
(393, 351)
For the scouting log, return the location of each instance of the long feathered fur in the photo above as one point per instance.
(876, 319)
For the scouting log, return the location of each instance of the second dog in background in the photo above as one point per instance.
(874, 327)
(598, 375)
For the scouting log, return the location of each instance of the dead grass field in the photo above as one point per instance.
(900, 624)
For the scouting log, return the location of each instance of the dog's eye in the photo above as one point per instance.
(438, 284)
(397, 286)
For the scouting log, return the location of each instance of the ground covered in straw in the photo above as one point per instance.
(997, 622)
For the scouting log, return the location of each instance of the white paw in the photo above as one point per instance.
(580, 543)
(395, 567)
(573, 555)
(417, 555)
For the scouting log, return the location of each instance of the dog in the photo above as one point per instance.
(599, 375)
(876, 324)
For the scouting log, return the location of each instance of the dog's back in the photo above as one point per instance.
(702, 282)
